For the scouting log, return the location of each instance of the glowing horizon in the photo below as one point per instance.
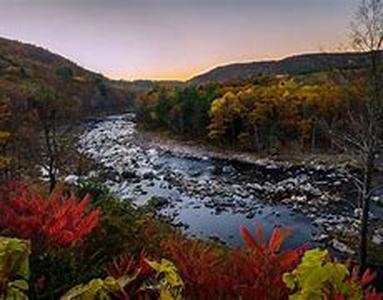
(175, 39)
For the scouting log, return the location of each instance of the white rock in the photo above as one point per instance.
(377, 239)
(342, 247)
(72, 179)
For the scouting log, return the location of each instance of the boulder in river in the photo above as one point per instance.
(128, 174)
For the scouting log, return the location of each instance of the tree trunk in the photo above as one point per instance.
(52, 181)
(313, 139)
(365, 215)
(51, 155)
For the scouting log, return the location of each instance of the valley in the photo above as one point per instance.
(186, 150)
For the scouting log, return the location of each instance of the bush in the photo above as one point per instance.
(123, 228)
(96, 189)
(211, 272)
(202, 267)
(14, 268)
(117, 249)
(318, 277)
(49, 222)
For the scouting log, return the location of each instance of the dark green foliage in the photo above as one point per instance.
(123, 227)
(183, 111)
(103, 88)
(64, 71)
(93, 187)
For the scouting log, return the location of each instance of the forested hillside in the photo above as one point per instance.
(43, 97)
(24, 67)
(293, 65)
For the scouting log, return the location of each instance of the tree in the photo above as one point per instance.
(4, 134)
(56, 120)
(225, 118)
(362, 137)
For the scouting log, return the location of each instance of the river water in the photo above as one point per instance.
(211, 198)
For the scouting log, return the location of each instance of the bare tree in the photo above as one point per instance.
(56, 121)
(362, 132)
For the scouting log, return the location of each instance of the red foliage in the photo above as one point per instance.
(258, 269)
(371, 294)
(56, 221)
(366, 282)
(138, 270)
(251, 273)
(201, 267)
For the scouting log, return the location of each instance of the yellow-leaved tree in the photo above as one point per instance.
(225, 117)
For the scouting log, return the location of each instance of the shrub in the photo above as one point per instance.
(137, 280)
(258, 269)
(213, 273)
(14, 268)
(123, 228)
(95, 289)
(318, 277)
(55, 221)
(97, 190)
(201, 267)
(137, 269)
(60, 259)
(167, 281)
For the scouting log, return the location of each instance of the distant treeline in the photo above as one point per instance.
(264, 114)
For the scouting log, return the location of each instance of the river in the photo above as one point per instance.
(211, 198)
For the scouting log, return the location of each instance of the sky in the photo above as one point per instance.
(176, 39)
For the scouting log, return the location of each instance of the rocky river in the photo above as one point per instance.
(210, 197)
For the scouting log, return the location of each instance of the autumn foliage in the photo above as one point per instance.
(201, 267)
(262, 264)
(209, 273)
(318, 276)
(260, 114)
(137, 269)
(181, 267)
(54, 221)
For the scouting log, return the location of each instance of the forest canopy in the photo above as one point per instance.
(263, 114)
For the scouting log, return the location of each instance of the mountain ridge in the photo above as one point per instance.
(292, 65)
(24, 65)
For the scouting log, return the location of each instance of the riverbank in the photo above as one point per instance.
(200, 148)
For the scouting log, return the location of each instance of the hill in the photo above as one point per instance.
(294, 65)
(145, 86)
(23, 66)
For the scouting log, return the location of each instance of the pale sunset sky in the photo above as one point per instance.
(176, 39)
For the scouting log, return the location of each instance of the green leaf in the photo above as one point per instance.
(317, 277)
(170, 283)
(14, 263)
(20, 284)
